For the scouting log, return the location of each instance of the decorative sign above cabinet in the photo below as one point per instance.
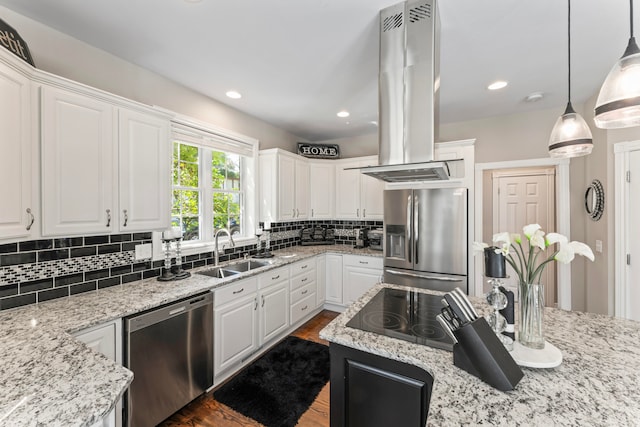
(10, 39)
(319, 151)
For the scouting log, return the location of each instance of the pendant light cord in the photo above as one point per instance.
(631, 16)
(569, 47)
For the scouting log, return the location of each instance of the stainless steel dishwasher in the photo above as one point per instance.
(170, 351)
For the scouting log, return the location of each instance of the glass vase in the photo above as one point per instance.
(531, 330)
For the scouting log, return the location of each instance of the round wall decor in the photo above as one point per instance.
(594, 200)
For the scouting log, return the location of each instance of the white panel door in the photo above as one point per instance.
(302, 189)
(15, 162)
(144, 172)
(630, 300)
(78, 164)
(334, 278)
(286, 188)
(321, 190)
(274, 311)
(522, 200)
(347, 190)
(371, 196)
(236, 334)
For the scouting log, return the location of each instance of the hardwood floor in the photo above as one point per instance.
(207, 412)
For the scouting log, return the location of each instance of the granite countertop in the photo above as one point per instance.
(597, 383)
(50, 378)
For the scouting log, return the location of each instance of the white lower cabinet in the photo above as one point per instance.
(107, 340)
(321, 279)
(303, 289)
(274, 313)
(333, 278)
(360, 273)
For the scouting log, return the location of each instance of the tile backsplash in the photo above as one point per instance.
(40, 270)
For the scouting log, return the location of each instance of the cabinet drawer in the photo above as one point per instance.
(273, 276)
(363, 261)
(303, 292)
(303, 279)
(303, 266)
(302, 308)
(235, 291)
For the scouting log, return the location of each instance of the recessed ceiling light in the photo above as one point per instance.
(343, 114)
(234, 95)
(497, 85)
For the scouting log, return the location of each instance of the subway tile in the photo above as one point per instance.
(67, 243)
(117, 238)
(158, 264)
(96, 274)
(53, 294)
(9, 247)
(129, 246)
(8, 290)
(141, 266)
(83, 287)
(108, 249)
(36, 285)
(15, 259)
(35, 245)
(199, 263)
(142, 236)
(96, 240)
(17, 301)
(128, 278)
(151, 273)
(108, 282)
(53, 255)
(85, 251)
(69, 279)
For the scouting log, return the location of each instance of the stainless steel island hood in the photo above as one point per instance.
(408, 94)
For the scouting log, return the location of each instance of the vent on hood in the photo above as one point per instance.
(408, 87)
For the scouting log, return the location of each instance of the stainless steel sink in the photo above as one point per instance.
(249, 265)
(219, 272)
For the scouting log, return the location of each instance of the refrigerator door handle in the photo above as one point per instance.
(409, 232)
(424, 276)
(416, 226)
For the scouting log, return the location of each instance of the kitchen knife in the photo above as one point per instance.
(466, 302)
(447, 328)
(458, 312)
(447, 314)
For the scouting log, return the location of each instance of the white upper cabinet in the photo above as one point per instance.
(321, 189)
(78, 164)
(17, 215)
(358, 196)
(105, 168)
(145, 172)
(284, 186)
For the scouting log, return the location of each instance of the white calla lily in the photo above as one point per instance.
(479, 247)
(565, 255)
(582, 249)
(537, 239)
(553, 238)
(530, 230)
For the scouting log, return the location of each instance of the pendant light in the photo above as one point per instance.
(570, 137)
(618, 104)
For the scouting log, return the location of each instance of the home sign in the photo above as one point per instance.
(10, 39)
(319, 151)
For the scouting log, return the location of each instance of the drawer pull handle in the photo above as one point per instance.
(305, 291)
(303, 267)
(304, 280)
(108, 217)
(275, 278)
(126, 217)
(237, 292)
(304, 308)
(363, 262)
(263, 300)
(33, 218)
(176, 311)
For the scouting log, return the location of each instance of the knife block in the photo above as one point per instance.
(480, 352)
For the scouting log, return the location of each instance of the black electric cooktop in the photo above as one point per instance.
(406, 315)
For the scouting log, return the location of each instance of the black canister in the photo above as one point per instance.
(494, 263)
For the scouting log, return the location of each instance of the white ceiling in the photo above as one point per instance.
(298, 62)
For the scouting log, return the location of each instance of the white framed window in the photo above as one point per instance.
(213, 187)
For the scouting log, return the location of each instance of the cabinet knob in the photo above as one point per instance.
(358, 212)
(126, 217)
(33, 218)
(108, 217)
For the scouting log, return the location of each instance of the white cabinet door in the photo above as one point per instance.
(357, 281)
(302, 189)
(334, 278)
(78, 164)
(107, 340)
(16, 212)
(347, 190)
(286, 187)
(144, 169)
(321, 279)
(371, 194)
(236, 335)
(274, 311)
(321, 190)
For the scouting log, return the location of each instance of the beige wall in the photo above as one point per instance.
(65, 56)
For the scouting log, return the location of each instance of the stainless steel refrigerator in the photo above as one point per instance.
(426, 238)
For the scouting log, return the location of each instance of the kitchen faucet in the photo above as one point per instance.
(215, 248)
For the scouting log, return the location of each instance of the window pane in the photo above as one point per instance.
(185, 165)
(226, 212)
(185, 213)
(218, 169)
(233, 172)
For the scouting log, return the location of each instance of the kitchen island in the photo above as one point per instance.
(597, 384)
